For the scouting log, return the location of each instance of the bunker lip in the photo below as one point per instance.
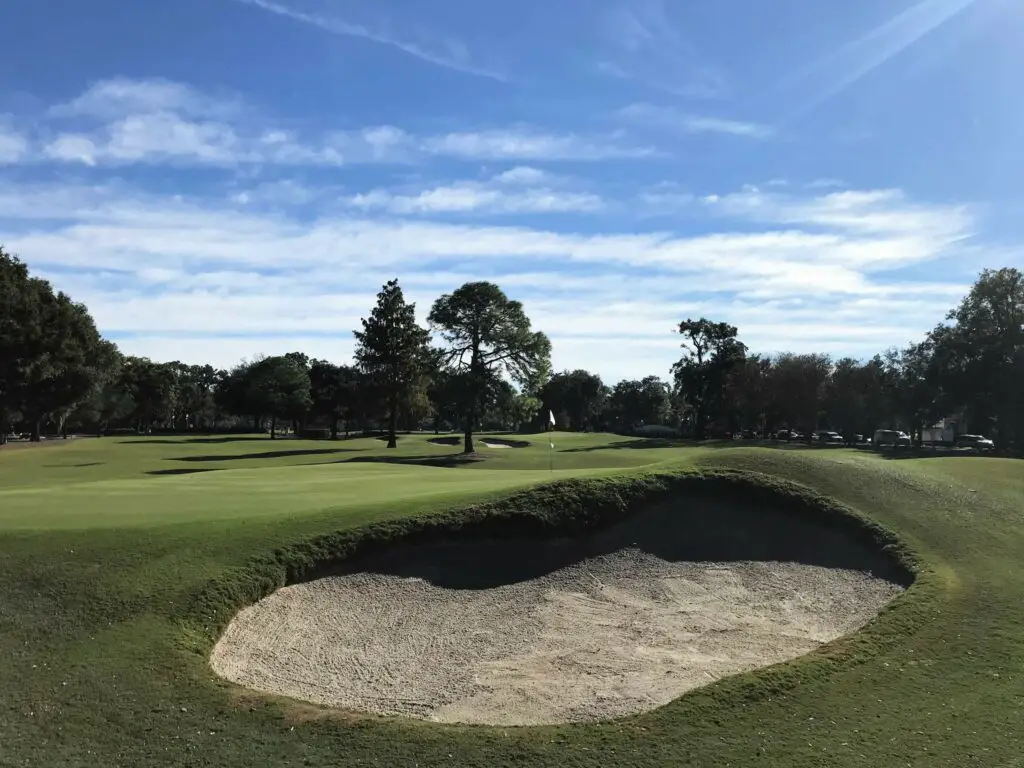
(461, 589)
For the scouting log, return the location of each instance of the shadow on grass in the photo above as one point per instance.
(646, 443)
(446, 461)
(75, 466)
(446, 440)
(927, 453)
(266, 454)
(166, 472)
(197, 440)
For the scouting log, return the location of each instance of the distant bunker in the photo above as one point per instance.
(483, 441)
(517, 630)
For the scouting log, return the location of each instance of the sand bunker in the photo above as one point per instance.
(517, 632)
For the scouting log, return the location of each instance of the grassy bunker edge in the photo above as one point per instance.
(574, 507)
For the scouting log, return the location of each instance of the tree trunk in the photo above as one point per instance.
(470, 418)
(273, 427)
(393, 422)
(334, 428)
(4, 427)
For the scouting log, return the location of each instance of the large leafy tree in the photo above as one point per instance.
(979, 358)
(51, 354)
(278, 387)
(393, 351)
(636, 403)
(854, 400)
(710, 352)
(748, 390)
(577, 396)
(909, 380)
(154, 389)
(798, 389)
(487, 334)
(333, 393)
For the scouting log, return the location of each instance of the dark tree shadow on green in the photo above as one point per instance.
(165, 472)
(198, 440)
(447, 461)
(265, 454)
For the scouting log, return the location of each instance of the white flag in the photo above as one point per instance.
(552, 446)
(551, 418)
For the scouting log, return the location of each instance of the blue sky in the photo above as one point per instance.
(221, 178)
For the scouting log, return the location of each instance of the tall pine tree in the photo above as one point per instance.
(393, 351)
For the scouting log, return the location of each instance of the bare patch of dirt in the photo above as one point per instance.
(614, 634)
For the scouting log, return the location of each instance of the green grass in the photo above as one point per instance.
(103, 560)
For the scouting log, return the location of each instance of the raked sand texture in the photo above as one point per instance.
(609, 636)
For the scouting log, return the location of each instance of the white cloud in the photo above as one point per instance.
(673, 119)
(114, 98)
(507, 193)
(522, 174)
(871, 213)
(13, 146)
(530, 144)
(72, 148)
(123, 122)
(192, 279)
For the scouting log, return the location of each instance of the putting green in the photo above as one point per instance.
(105, 544)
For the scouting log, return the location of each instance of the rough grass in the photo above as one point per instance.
(116, 579)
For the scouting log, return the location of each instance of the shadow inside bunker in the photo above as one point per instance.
(696, 530)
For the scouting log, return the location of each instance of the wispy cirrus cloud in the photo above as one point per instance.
(445, 53)
(834, 73)
(644, 43)
(674, 119)
(519, 190)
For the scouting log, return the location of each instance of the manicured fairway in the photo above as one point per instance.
(102, 549)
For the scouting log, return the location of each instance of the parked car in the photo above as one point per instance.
(827, 437)
(891, 437)
(977, 442)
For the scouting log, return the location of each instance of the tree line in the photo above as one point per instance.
(479, 365)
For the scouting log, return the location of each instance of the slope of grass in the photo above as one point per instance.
(101, 560)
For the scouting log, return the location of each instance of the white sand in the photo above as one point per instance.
(611, 636)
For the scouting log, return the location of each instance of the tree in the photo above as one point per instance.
(51, 354)
(798, 389)
(748, 391)
(979, 359)
(278, 387)
(578, 396)
(154, 389)
(638, 403)
(710, 351)
(333, 393)
(487, 334)
(393, 351)
(854, 397)
(909, 381)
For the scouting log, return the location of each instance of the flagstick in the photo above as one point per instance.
(551, 442)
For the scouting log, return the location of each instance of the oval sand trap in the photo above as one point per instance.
(610, 635)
